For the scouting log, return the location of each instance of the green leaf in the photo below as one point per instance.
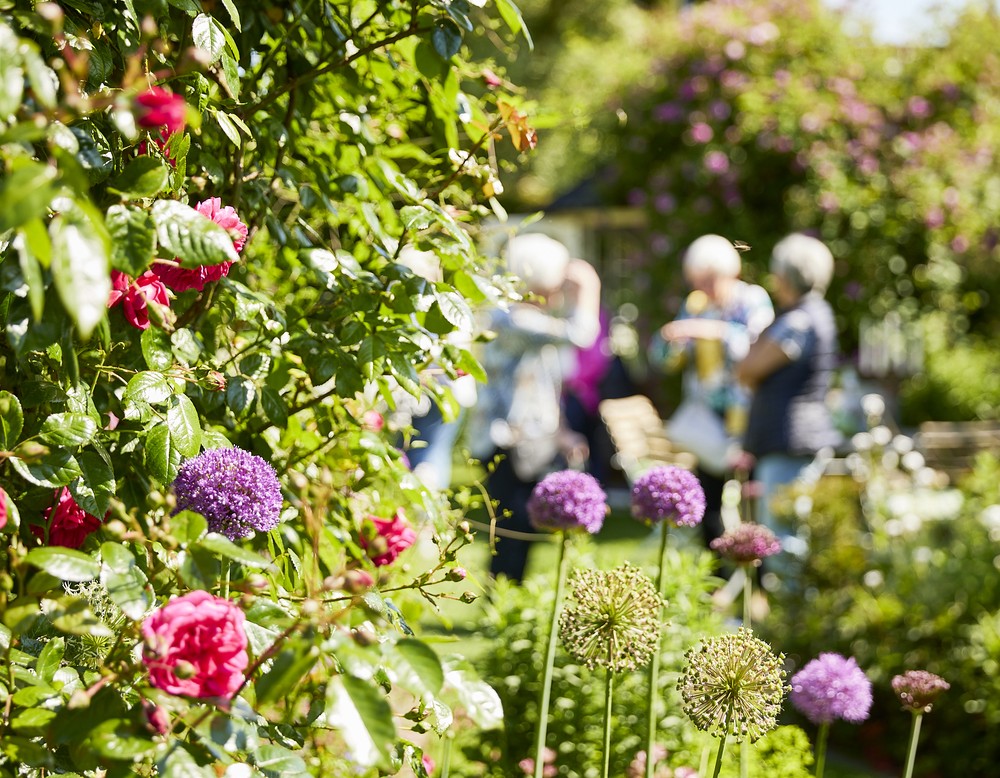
(288, 668)
(178, 763)
(233, 14)
(34, 251)
(67, 429)
(156, 349)
(51, 468)
(208, 36)
(11, 420)
(511, 15)
(133, 238)
(23, 752)
(144, 176)
(125, 583)
(162, 457)
(447, 38)
(423, 664)
(148, 387)
(66, 564)
(228, 128)
(42, 78)
(274, 407)
(194, 239)
(224, 547)
(93, 492)
(364, 718)
(33, 721)
(26, 192)
(72, 614)
(117, 739)
(184, 426)
(241, 394)
(278, 761)
(80, 269)
(188, 526)
(49, 659)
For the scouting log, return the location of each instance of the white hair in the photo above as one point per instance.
(712, 254)
(804, 262)
(538, 260)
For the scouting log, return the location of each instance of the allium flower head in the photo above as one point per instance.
(747, 543)
(568, 500)
(919, 689)
(236, 491)
(668, 493)
(832, 687)
(614, 619)
(733, 685)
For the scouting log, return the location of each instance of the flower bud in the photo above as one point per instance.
(156, 719)
(468, 597)
(457, 574)
(358, 581)
(364, 637)
(184, 669)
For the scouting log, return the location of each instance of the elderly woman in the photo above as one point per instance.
(789, 369)
(712, 333)
(518, 420)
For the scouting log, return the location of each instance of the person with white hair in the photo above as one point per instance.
(790, 369)
(518, 421)
(713, 331)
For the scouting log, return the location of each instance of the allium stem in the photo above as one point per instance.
(821, 738)
(654, 666)
(745, 759)
(911, 751)
(608, 694)
(718, 756)
(747, 596)
(550, 657)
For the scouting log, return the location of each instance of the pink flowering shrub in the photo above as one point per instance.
(392, 537)
(195, 646)
(137, 296)
(180, 279)
(68, 524)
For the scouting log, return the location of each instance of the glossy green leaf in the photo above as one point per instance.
(53, 468)
(144, 176)
(119, 740)
(148, 387)
(184, 425)
(194, 239)
(34, 252)
(447, 38)
(275, 760)
(66, 564)
(177, 762)
(207, 36)
(50, 658)
(67, 429)
(133, 238)
(234, 14)
(93, 492)
(25, 193)
(156, 349)
(188, 526)
(224, 547)
(162, 457)
(11, 420)
(80, 269)
(288, 668)
(125, 583)
(423, 665)
(364, 719)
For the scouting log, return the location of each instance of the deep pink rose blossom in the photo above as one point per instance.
(195, 646)
(136, 296)
(158, 108)
(69, 524)
(180, 279)
(393, 536)
(3, 508)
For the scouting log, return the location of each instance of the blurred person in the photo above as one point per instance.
(713, 332)
(789, 369)
(518, 420)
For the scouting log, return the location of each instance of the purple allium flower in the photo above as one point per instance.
(832, 687)
(235, 490)
(919, 689)
(668, 492)
(747, 543)
(568, 500)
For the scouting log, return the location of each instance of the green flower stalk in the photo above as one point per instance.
(564, 502)
(733, 685)
(917, 690)
(664, 495)
(613, 623)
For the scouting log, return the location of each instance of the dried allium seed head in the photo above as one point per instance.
(613, 620)
(733, 685)
(747, 543)
(918, 690)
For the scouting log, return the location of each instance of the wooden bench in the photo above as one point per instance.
(638, 435)
(952, 446)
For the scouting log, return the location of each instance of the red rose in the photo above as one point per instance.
(195, 646)
(68, 523)
(159, 108)
(136, 296)
(393, 536)
(180, 279)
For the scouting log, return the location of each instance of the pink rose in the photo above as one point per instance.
(69, 524)
(393, 536)
(136, 296)
(428, 764)
(180, 279)
(158, 108)
(3, 508)
(372, 420)
(195, 646)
